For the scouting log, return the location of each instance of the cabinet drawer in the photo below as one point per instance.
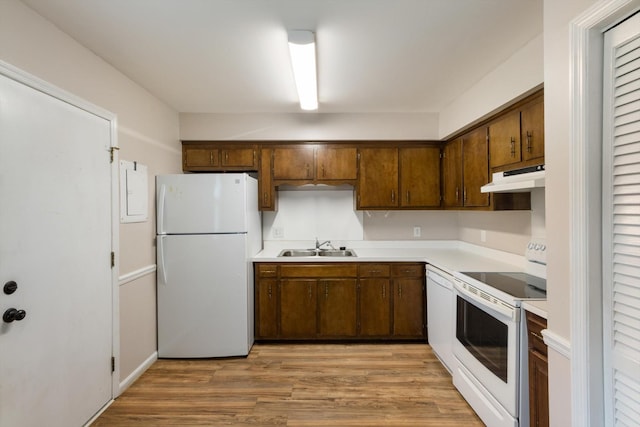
(322, 270)
(266, 270)
(407, 270)
(374, 270)
(535, 325)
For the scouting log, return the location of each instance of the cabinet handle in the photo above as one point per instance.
(393, 196)
(326, 290)
(408, 197)
(265, 197)
(464, 194)
(400, 290)
(457, 193)
(528, 141)
(308, 171)
(513, 147)
(384, 290)
(226, 157)
(323, 171)
(310, 294)
(269, 292)
(211, 157)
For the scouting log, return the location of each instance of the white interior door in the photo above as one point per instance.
(55, 244)
(621, 223)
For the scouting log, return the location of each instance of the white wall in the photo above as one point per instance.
(514, 79)
(147, 133)
(309, 126)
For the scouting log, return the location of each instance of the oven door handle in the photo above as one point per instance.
(496, 306)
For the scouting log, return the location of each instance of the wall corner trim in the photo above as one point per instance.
(136, 274)
(557, 343)
(126, 383)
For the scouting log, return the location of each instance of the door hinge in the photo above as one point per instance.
(111, 150)
(113, 364)
(113, 259)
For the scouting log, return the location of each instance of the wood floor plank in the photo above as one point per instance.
(297, 385)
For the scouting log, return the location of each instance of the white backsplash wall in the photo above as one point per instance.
(399, 225)
(305, 214)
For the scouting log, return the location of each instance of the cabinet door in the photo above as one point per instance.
(337, 307)
(378, 180)
(419, 177)
(298, 308)
(452, 173)
(336, 163)
(375, 307)
(504, 140)
(293, 163)
(538, 390)
(408, 307)
(195, 157)
(266, 309)
(532, 124)
(475, 169)
(239, 158)
(266, 191)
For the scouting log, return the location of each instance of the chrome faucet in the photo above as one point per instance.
(319, 245)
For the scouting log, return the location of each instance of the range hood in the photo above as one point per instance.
(515, 181)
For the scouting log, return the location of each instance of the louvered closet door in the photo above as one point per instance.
(621, 223)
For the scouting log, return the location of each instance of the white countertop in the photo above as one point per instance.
(536, 307)
(451, 256)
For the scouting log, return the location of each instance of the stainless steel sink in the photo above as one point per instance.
(336, 252)
(320, 252)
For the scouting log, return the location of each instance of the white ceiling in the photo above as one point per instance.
(230, 56)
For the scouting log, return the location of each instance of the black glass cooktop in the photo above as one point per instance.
(519, 285)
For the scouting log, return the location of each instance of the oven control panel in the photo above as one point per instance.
(537, 251)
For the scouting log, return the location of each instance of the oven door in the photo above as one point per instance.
(486, 345)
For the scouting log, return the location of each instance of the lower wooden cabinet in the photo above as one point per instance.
(538, 372)
(336, 301)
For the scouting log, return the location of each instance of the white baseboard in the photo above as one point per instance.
(126, 383)
(134, 275)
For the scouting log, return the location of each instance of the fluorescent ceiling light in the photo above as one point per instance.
(302, 49)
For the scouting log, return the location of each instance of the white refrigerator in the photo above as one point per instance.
(208, 229)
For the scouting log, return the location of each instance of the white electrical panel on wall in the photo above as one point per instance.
(134, 192)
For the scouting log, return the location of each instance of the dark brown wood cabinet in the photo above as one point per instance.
(465, 169)
(336, 163)
(266, 189)
(293, 163)
(409, 308)
(538, 372)
(378, 178)
(399, 177)
(516, 138)
(375, 300)
(419, 177)
(339, 301)
(203, 157)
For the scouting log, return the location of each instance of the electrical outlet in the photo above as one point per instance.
(278, 232)
(417, 231)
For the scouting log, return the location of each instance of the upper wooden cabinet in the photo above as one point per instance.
(266, 190)
(465, 169)
(314, 164)
(336, 163)
(399, 177)
(517, 137)
(378, 180)
(419, 177)
(202, 157)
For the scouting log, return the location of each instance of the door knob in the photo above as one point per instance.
(10, 287)
(13, 314)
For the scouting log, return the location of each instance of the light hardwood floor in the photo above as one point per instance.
(297, 385)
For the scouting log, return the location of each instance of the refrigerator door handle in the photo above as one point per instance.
(163, 270)
(163, 190)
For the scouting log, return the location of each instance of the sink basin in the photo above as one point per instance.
(298, 252)
(321, 252)
(343, 252)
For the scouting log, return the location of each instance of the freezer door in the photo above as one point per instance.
(203, 203)
(203, 296)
